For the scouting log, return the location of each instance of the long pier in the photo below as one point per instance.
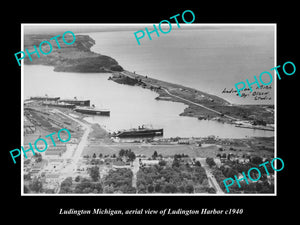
(135, 76)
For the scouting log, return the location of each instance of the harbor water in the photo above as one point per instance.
(207, 58)
(130, 106)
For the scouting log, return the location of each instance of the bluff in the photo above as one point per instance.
(77, 57)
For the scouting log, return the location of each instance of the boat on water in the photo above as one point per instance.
(93, 111)
(139, 132)
(58, 104)
(44, 98)
(76, 101)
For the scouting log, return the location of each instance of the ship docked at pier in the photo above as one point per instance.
(58, 104)
(92, 111)
(81, 106)
(139, 132)
(76, 101)
(44, 98)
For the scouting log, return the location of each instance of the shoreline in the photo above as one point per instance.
(200, 104)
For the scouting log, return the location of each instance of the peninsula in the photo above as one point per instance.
(70, 58)
(78, 57)
(201, 104)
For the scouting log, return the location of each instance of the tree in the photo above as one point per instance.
(197, 163)
(108, 189)
(94, 155)
(67, 182)
(98, 187)
(211, 190)
(87, 190)
(93, 161)
(141, 188)
(256, 160)
(162, 163)
(100, 155)
(189, 188)
(150, 188)
(170, 188)
(154, 156)
(82, 185)
(26, 190)
(27, 177)
(65, 186)
(38, 157)
(175, 163)
(121, 153)
(228, 156)
(36, 185)
(77, 179)
(131, 156)
(157, 188)
(181, 188)
(210, 161)
(229, 172)
(94, 173)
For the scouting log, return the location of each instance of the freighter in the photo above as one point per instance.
(93, 111)
(139, 132)
(45, 98)
(58, 104)
(75, 101)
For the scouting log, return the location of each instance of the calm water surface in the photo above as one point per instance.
(206, 58)
(130, 106)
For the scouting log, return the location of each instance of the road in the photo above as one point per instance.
(210, 176)
(197, 104)
(135, 169)
(70, 168)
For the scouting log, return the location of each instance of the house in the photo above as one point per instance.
(218, 162)
(52, 177)
(243, 160)
(146, 162)
(120, 164)
(58, 150)
(184, 141)
(81, 168)
(36, 167)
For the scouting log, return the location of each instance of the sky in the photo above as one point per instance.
(87, 28)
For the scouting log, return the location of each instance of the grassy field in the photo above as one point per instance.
(263, 147)
(166, 150)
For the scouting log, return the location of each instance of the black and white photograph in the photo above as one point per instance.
(162, 117)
